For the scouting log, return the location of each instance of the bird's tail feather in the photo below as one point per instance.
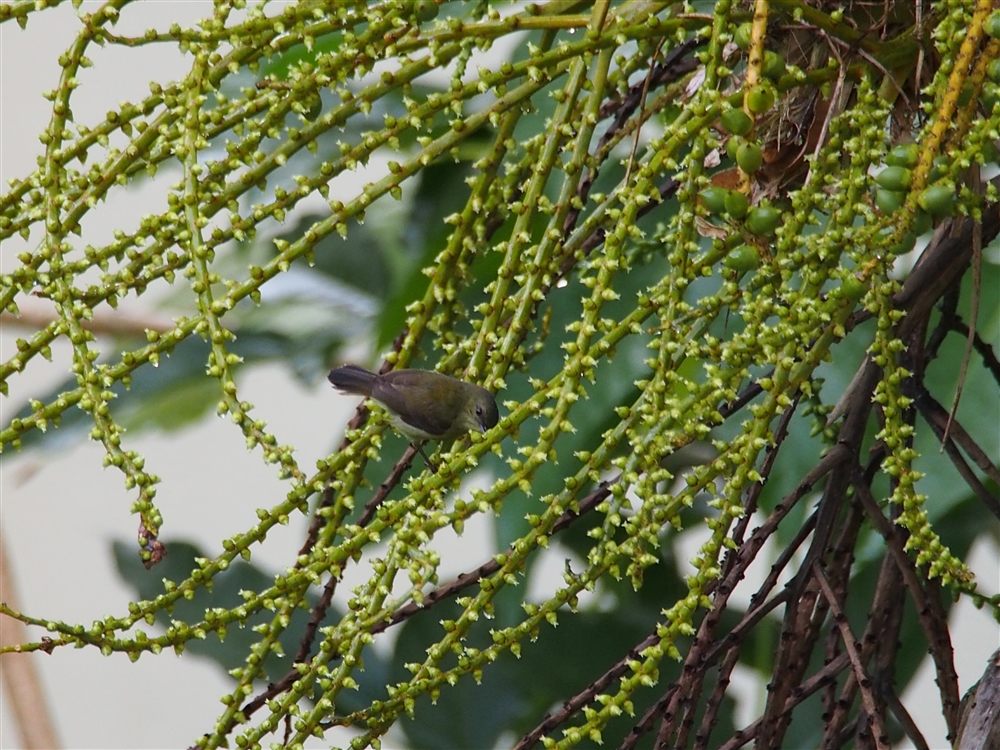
(352, 379)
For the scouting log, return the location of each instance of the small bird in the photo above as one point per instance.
(422, 404)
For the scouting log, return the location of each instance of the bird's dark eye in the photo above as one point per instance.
(479, 411)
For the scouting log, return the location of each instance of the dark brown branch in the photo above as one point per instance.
(977, 276)
(736, 572)
(981, 710)
(735, 567)
(905, 720)
(823, 677)
(937, 418)
(984, 349)
(932, 617)
(881, 639)
(394, 478)
(948, 307)
(586, 696)
(804, 614)
(683, 702)
(851, 646)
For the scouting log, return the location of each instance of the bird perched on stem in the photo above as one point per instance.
(422, 404)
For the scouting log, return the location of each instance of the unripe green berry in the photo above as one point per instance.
(894, 178)
(938, 199)
(993, 70)
(923, 223)
(737, 204)
(903, 155)
(760, 98)
(774, 65)
(749, 157)
(889, 201)
(733, 146)
(736, 121)
(992, 25)
(425, 10)
(742, 37)
(742, 258)
(714, 199)
(763, 220)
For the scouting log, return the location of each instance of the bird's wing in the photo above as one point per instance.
(389, 390)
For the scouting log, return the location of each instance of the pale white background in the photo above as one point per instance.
(60, 510)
